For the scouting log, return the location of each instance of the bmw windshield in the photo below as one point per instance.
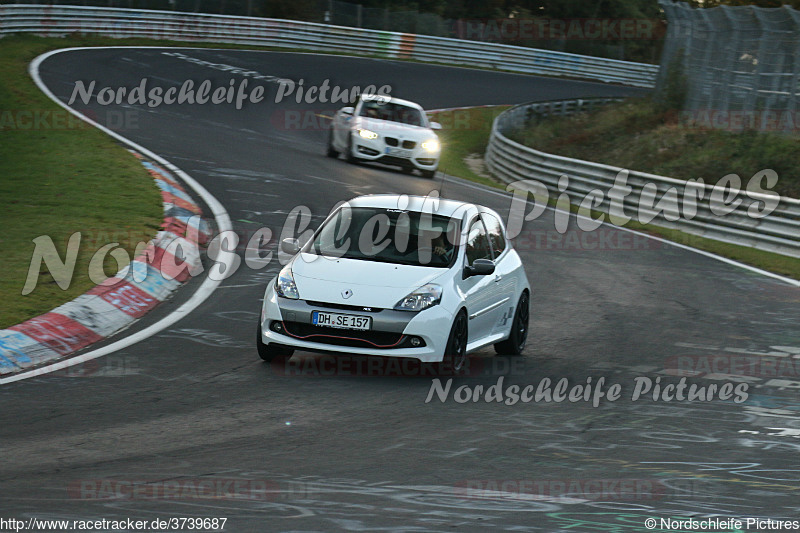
(391, 111)
(388, 236)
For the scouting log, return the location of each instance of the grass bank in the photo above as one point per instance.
(625, 135)
(60, 176)
(639, 135)
(464, 136)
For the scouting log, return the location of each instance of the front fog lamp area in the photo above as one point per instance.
(422, 298)
(285, 286)
(368, 134)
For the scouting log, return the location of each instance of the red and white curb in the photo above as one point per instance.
(115, 304)
(207, 286)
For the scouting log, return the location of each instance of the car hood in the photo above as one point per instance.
(370, 283)
(395, 129)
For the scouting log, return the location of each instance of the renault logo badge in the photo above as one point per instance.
(347, 293)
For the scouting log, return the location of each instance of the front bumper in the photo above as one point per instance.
(379, 151)
(390, 335)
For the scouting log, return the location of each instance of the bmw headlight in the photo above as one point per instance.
(431, 145)
(285, 286)
(367, 134)
(422, 298)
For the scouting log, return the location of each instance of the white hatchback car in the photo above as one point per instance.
(402, 276)
(386, 130)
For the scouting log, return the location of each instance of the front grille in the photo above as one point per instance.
(391, 141)
(358, 308)
(409, 144)
(344, 337)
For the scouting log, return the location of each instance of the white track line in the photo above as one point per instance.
(206, 288)
(732, 262)
(711, 255)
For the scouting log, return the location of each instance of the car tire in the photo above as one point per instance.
(455, 353)
(331, 150)
(268, 352)
(515, 343)
(349, 153)
(428, 173)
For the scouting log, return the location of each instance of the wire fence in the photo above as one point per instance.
(741, 65)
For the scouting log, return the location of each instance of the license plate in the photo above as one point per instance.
(337, 320)
(398, 152)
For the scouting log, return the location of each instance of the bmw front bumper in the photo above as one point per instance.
(380, 150)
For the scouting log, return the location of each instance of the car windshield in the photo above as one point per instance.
(388, 236)
(391, 111)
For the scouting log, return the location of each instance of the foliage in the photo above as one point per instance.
(639, 134)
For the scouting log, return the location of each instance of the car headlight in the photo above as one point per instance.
(422, 298)
(431, 145)
(285, 286)
(367, 134)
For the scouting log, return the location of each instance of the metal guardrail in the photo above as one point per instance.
(511, 161)
(179, 26)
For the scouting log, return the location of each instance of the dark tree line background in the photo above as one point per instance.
(471, 9)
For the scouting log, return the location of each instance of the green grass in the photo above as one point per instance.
(464, 133)
(639, 135)
(60, 177)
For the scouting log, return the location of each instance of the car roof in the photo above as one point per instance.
(445, 207)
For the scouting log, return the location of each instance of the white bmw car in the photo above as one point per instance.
(401, 276)
(386, 130)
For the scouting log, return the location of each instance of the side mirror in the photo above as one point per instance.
(480, 267)
(290, 246)
(436, 126)
(347, 111)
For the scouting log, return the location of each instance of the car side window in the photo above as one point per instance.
(495, 232)
(477, 242)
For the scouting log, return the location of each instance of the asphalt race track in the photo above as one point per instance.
(314, 444)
